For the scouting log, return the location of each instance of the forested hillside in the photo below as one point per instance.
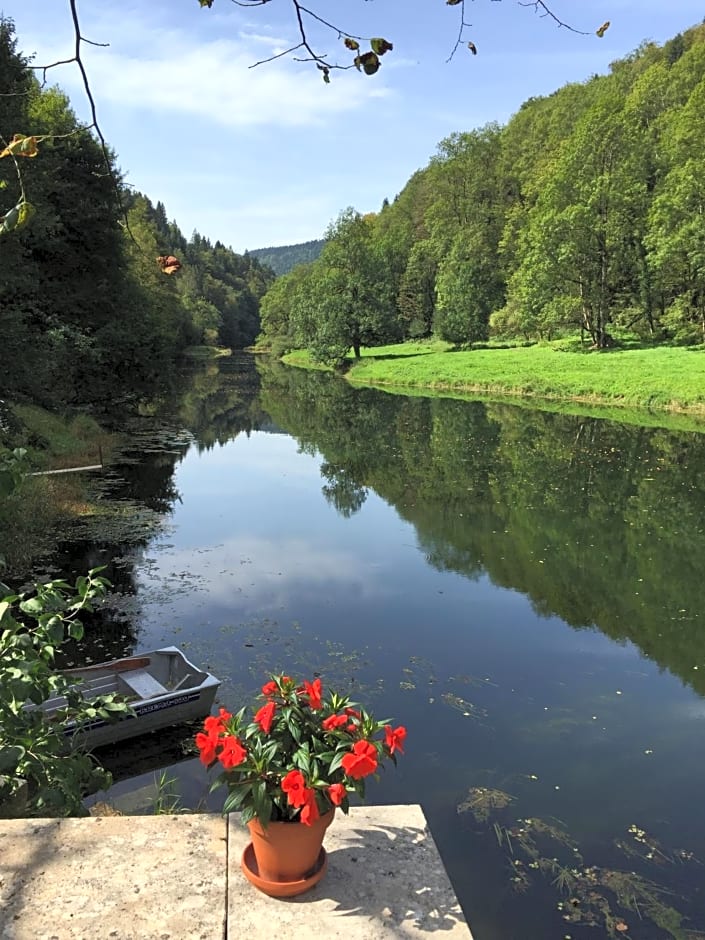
(586, 212)
(86, 310)
(284, 258)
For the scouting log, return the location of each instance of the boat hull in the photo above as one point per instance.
(163, 688)
(149, 716)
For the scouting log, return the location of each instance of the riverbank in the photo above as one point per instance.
(669, 380)
(152, 877)
(32, 513)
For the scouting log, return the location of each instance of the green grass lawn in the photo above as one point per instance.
(663, 378)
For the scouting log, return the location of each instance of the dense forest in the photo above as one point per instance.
(85, 308)
(283, 258)
(584, 213)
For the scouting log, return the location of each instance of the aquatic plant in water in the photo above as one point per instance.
(483, 801)
(590, 895)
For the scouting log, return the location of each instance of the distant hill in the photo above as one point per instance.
(285, 257)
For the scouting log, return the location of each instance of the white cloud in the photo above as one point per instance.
(258, 572)
(167, 72)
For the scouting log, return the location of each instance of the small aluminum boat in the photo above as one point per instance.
(162, 687)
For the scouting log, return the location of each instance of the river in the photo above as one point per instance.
(522, 590)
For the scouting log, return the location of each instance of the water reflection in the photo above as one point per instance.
(521, 589)
(597, 523)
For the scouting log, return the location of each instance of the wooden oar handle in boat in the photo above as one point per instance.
(119, 665)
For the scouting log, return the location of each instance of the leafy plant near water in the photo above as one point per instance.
(12, 469)
(300, 755)
(42, 773)
(590, 895)
(167, 799)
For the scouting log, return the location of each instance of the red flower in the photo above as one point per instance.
(395, 738)
(265, 716)
(313, 690)
(310, 811)
(294, 786)
(270, 688)
(206, 744)
(352, 713)
(213, 724)
(233, 752)
(335, 721)
(336, 792)
(361, 761)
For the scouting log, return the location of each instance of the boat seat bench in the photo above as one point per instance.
(142, 683)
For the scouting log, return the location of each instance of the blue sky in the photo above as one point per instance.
(270, 155)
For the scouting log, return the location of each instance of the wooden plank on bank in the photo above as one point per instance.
(46, 473)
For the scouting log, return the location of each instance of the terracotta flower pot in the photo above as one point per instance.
(286, 858)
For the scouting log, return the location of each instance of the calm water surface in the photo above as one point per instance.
(524, 591)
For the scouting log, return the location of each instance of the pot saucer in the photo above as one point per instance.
(281, 889)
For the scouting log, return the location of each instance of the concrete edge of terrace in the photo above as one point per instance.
(179, 877)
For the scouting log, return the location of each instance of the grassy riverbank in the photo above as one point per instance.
(41, 505)
(206, 352)
(665, 379)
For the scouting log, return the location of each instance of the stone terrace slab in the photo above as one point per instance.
(179, 878)
(113, 878)
(385, 879)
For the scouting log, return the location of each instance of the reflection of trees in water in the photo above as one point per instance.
(596, 522)
(342, 490)
(137, 491)
(222, 401)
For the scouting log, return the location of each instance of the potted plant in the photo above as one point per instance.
(288, 768)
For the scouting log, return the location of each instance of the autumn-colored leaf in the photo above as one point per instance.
(351, 44)
(472, 47)
(17, 217)
(368, 62)
(380, 46)
(206, 3)
(603, 29)
(20, 146)
(27, 210)
(169, 264)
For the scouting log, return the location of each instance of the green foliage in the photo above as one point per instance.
(343, 300)
(40, 766)
(296, 733)
(469, 288)
(416, 297)
(285, 258)
(86, 308)
(586, 211)
(13, 467)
